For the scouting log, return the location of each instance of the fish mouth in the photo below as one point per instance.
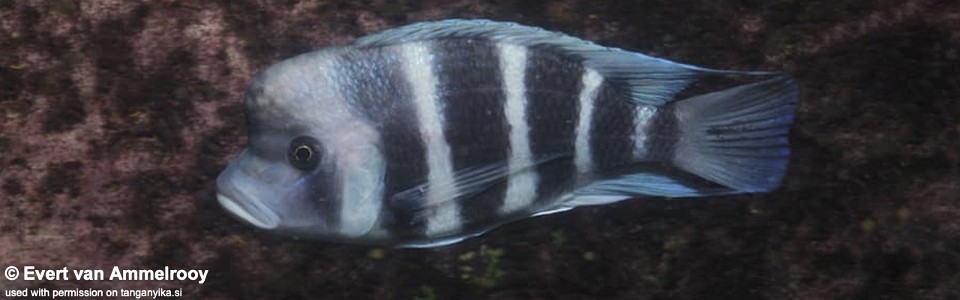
(238, 201)
(252, 212)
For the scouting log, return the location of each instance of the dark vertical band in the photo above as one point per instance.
(612, 130)
(553, 86)
(377, 88)
(475, 127)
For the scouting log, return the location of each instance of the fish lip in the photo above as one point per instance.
(250, 211)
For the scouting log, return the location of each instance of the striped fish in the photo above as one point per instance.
(431, 133)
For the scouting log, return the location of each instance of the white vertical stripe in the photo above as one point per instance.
(588, 94)
(642, 115)
(418, 68)
(522, 185)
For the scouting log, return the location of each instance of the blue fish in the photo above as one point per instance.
(428, 134)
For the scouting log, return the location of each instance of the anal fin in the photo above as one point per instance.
(642, 184)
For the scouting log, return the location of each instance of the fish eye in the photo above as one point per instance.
(304, 153)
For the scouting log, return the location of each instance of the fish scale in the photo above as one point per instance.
(553, 85)
(612, 140)
(475, 125)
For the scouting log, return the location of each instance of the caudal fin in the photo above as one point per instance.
(737, 137)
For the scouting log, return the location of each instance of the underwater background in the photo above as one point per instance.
(116, 117)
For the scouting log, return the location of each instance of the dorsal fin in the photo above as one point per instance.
(647, 79)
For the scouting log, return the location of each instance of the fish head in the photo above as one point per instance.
(282, 180)
(303, 157)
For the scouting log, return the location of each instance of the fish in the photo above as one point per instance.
(431, 133)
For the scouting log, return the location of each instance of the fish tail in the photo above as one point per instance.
(735, 137)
